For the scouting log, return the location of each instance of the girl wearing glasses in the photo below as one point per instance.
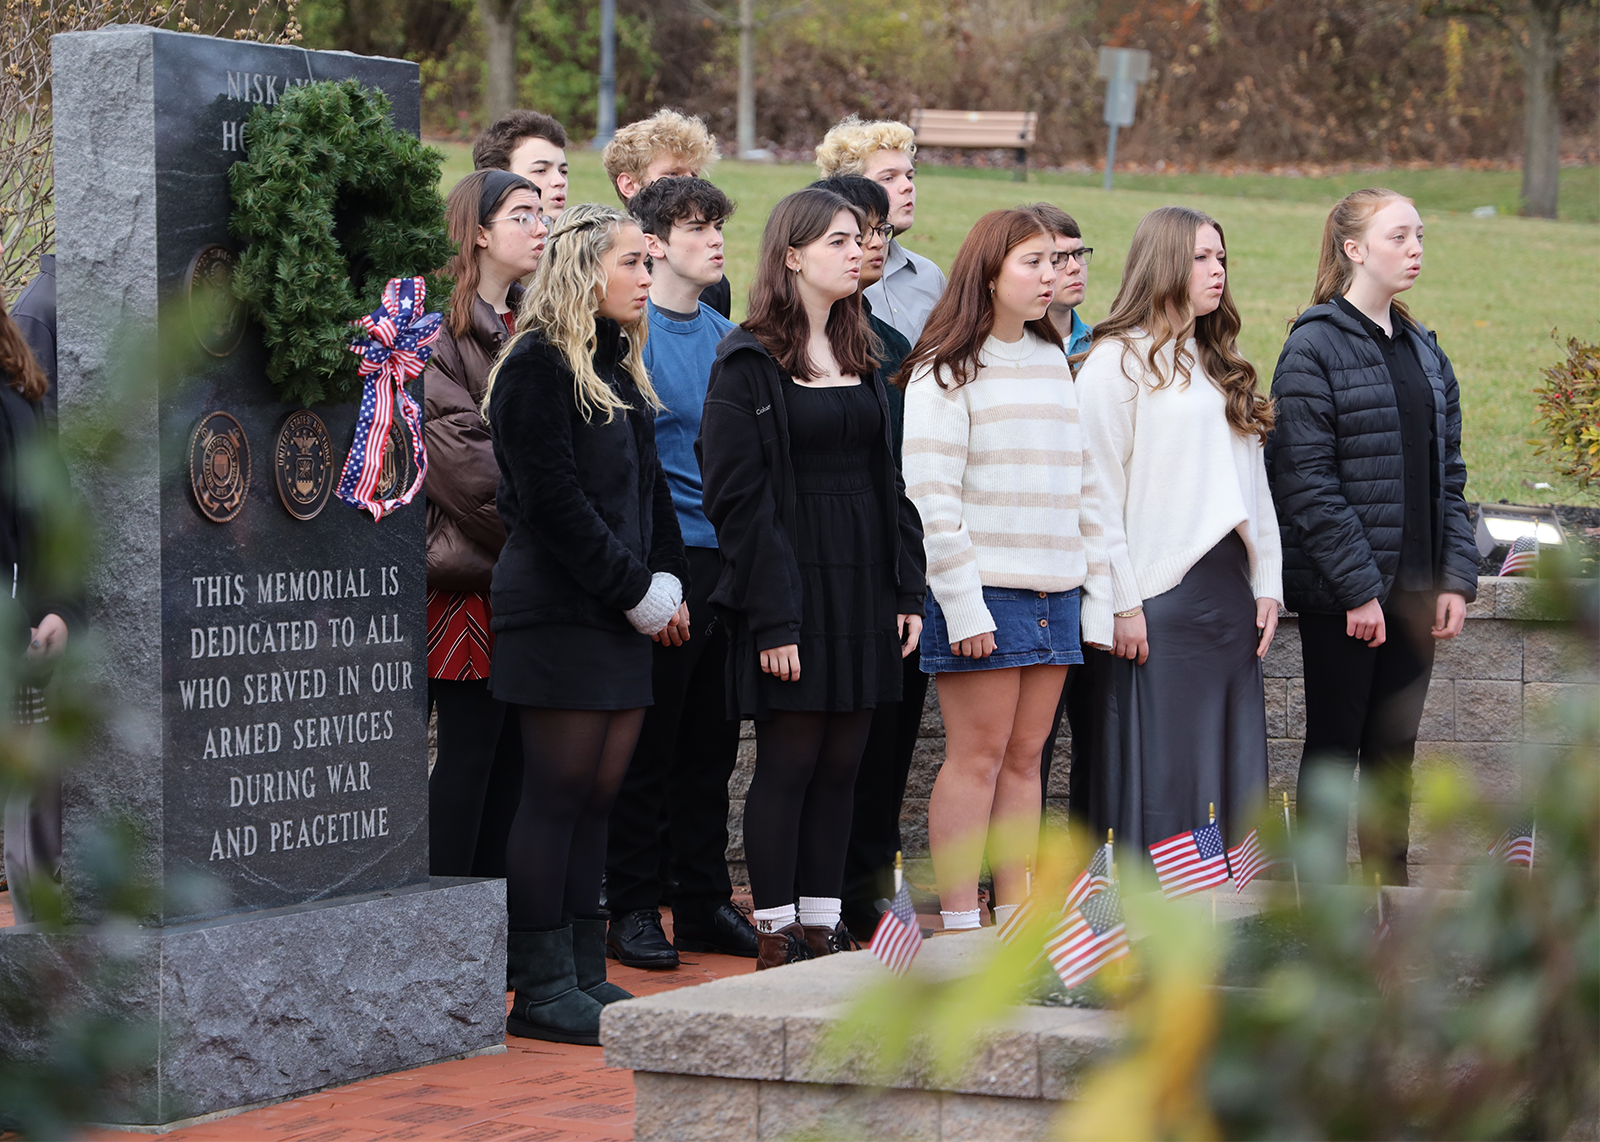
(996, 464)
(1379, 557)
(493, 217)
(592, 569)
(1175, 426)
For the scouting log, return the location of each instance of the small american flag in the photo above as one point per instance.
(1090, 881)
(1515, 845)
(1523, 555)
(1191, 861)
(1092, 936)
(1246, 859)
(898, 937)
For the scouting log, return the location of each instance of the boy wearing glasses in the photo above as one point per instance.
(1071, 261)
(687, 747)
(884, 152)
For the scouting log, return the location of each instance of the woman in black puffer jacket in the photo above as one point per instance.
(1367, 476)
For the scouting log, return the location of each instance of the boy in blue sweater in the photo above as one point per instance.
(687, 747)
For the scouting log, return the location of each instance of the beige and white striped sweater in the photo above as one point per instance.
(998, 471)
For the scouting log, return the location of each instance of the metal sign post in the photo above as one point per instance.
(1123, 69)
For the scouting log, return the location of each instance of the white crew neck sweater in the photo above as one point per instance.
(1174, 478)
(998, 473)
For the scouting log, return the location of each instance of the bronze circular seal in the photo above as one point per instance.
(219, 466)
(302, 464)
(215, 314)
(397, 469)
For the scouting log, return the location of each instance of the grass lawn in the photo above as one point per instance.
(1493, 288)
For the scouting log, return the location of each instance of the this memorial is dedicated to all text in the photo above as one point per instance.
(265, 639)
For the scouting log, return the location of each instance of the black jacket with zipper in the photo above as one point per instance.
(749, 494)
(1336, 467)
(587, 511)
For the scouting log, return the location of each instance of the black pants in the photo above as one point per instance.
(879, 795)
(679, 773)
(1079, 702)
(1364, 704)
(476, 781)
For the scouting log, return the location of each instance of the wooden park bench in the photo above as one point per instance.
(983, 129)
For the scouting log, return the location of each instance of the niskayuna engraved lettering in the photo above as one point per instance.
(342, 729)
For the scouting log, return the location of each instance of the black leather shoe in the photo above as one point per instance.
(638, 941)
(725, 930)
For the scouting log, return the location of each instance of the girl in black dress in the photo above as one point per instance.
(822, 580)
(592, 569)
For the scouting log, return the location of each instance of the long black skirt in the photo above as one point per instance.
(1188, 729)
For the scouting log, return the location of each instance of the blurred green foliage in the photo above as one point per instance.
(1477, 1016)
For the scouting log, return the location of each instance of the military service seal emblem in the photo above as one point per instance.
(302, 464)
(215, 315)
(219, 466)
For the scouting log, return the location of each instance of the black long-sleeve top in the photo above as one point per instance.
(587, 510)
(749, 494)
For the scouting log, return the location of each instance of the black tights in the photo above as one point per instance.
(797, 813)
(574, 762)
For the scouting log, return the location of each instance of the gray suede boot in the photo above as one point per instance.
(589, 958)
(548, 1004)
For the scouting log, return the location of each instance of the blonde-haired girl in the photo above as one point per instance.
(1379, 558)
(592, 569)
(1175, 426)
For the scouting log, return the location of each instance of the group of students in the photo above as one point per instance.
(647, 523)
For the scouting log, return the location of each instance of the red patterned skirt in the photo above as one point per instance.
(460, 643)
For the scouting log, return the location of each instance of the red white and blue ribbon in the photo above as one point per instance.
(399, 342)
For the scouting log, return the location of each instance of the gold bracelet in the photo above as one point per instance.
(1133, 614)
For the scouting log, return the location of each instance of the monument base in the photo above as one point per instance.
(264, 1006)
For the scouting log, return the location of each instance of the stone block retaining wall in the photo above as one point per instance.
(1495, 692)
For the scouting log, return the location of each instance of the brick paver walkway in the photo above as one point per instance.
(535, 1092)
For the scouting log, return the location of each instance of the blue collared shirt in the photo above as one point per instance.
(1078, 339)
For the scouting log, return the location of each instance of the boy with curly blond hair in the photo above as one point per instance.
(668, 144)
(884, 151)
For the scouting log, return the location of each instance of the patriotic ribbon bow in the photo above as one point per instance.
(398, 344)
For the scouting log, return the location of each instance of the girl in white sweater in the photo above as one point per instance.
(995, 463)
(1175, 428)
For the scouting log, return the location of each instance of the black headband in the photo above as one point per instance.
(496, 186)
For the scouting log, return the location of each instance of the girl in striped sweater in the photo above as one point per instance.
(996, 465)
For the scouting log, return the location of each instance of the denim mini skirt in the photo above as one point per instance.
(1032, 628)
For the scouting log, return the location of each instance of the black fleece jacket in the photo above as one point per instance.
(587, 511)
(1337, 469)
(749, 494)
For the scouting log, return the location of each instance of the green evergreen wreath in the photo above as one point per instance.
(331, 202)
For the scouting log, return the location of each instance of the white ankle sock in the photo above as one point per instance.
(771, 919)
(820, 911)
(1003, 912)
(959, 921)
